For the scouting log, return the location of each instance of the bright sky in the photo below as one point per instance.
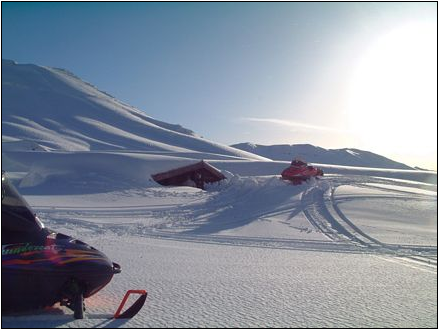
(335, 75)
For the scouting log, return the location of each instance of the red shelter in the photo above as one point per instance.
(195, 175)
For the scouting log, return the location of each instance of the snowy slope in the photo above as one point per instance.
(55, 110)
(310, 153)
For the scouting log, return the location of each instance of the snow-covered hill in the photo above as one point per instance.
(345, 156)
(52, 109)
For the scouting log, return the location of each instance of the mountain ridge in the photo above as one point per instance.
(311, 153)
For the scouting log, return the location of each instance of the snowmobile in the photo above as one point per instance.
(41, 267)
(299, 172)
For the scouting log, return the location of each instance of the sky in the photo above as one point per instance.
(335, 75)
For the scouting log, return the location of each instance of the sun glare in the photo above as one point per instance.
(393, 95)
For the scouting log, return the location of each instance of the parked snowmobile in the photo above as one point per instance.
(41, 267)
(299, 172)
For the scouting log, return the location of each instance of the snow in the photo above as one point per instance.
(396, 216)
(245, 253)
(58, 111)
(356, 248)
(209, 285)
(352, 152)
(401, 225)
(407, 189)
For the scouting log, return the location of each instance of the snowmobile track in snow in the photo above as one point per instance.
(259, 242)
(315, 210)
(320, 208)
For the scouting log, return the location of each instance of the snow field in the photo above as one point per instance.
(245, 254)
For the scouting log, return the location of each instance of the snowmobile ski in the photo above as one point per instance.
(135, 308)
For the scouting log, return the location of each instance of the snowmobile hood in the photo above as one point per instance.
(58, 253)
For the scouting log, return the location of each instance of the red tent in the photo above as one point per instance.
(195, 175)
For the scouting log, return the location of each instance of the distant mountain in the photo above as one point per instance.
(310, 153)
(423, 169)
(51, 109)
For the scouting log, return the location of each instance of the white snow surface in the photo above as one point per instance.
(253, 251)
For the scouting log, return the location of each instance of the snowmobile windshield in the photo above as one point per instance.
(17, 215)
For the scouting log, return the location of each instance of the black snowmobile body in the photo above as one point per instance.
(41, 267)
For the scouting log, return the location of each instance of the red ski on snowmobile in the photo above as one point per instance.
(41, 267)
(299, 172)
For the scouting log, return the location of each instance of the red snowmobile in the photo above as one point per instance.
(299, 172)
